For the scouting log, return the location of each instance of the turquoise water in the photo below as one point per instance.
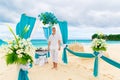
(41, 42)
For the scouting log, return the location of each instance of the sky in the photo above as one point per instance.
(84, 17)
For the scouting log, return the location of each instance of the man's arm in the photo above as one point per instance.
(49, 45)
(59, 44)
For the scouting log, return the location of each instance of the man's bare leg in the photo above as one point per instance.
(53, 65)
(56, 66)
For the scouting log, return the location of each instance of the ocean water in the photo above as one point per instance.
(43, 43)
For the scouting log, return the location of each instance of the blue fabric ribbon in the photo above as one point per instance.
(38, 55)
(23, 75)
(64, 31)
(110, 61)
(81, 54)
(94, 55)
(47, 33)
(3, 42)
(48, 54)
(64, 56)
(95, 71)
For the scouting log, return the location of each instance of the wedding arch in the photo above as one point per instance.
(27, 20)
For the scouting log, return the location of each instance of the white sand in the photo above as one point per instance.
(76, 69)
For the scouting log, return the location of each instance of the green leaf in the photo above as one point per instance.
(13, 33)
(25, 58)
(25, 30)
(11, 58)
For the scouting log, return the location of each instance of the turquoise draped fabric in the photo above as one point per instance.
(81, 54)
(112, 62)
(2, 42)
(47, 33)
(25, 20)
(64, 31)
(95, 71)
(23, 75)
(64, 56)
(48, 54)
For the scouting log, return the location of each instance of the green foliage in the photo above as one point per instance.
(115, 37)
(11, 58)
(25, 59)
(112, 37)
(48, 18)
(99, 49)
(99, 36)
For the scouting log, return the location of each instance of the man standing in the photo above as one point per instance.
(54, 47)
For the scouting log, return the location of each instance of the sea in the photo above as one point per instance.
(43, 43)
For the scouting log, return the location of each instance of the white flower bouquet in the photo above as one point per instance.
(18, 52)
(99, 45)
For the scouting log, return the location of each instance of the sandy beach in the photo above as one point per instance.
(76, 69)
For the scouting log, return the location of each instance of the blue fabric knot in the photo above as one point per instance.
(96, 53)
(66, 46)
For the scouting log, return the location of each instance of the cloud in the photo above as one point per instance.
(84, 17)
(103, 13)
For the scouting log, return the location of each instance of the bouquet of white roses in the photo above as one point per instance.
(99, 45)
(18, 51)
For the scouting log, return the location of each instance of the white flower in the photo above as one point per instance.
(21, 45)
(19, 55)
(20, 42)
(29, 60)
(19, 51)
(26, 43)
(15, 46)
(28, 39)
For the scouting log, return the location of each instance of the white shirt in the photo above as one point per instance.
(53, 39)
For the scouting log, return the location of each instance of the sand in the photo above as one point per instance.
(76, 69)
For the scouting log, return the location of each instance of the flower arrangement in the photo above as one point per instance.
(18, 51)
(99, 45)
(48, 18)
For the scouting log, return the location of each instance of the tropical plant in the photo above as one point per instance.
(48, 18)
(99, 36)
(18, 52)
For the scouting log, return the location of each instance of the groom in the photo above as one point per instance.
(54, 47)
